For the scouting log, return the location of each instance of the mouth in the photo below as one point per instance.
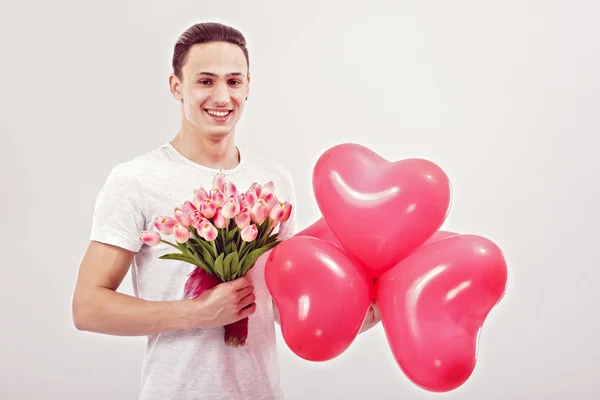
(219, 115)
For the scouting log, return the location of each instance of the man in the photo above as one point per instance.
(186, 357)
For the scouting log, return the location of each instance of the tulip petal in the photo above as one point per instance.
(249, 233)
(151, 238)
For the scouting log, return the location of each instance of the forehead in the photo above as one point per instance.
(217, 57)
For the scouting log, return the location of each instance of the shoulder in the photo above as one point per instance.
(268, 167)
(132, 168)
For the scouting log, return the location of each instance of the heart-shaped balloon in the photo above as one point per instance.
(320, 230)
(380, 211)
(439, 235)
(322, 296)
(433, 305)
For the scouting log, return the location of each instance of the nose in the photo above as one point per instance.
(221, 94)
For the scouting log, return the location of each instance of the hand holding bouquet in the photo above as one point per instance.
(222, 233)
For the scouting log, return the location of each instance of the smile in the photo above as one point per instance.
(218, 114)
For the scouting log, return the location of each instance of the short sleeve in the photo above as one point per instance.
(289, 228)
(118, 217)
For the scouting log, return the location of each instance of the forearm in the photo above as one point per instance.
(103, 310)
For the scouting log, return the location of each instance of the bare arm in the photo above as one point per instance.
(98, 307)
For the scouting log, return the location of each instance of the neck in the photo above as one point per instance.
(201, 149)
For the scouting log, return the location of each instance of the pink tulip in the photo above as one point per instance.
(219, 182)
(208, 231)
(199, 196)
(271, 200)
(277, 212)
(182, 218)
(218, 197)
(182, 234)
(242, 201)
(164, 224)
(195, 217)
(188, 208)
(249, 233)
(259, 212)
(219, 219)
(198, 225)
(256, 188)
(151, 238)
(208, 208)
(287, 211)
(267, 189)
(231, 208)
(251, 198)
(230, 189)
(243, 219)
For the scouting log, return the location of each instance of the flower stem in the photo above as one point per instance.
(169, 243)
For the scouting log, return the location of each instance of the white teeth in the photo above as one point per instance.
(218, 113)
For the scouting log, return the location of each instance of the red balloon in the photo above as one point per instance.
(433, 305)
(380, 211)
(323, 297)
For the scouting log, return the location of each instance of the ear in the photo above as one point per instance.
(175, 87)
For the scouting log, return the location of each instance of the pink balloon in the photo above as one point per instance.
(380, 211)
(322, 296)
(439, 235)
(433, 305)
(320, 230)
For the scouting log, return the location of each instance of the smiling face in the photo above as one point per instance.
(213, 88)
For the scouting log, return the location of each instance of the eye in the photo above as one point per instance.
(235, 82)
(204, 82)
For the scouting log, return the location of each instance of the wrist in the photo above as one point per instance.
(188, 315)
(193, 314)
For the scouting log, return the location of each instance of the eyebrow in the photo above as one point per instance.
(215, 75)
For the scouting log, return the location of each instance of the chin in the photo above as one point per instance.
(219, 133)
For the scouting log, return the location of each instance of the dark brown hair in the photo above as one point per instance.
(205, 32)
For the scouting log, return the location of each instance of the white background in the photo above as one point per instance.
(503, 95)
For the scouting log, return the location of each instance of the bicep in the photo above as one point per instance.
(103, 265)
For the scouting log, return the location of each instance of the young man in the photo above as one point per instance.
(186, 357)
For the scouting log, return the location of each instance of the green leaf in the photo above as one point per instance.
(208, 258)
(235, 264)
(187, 259)
(234, 248)
(208, 247)
(231, 234)
(227, 266)
(272, 238)
(271, 245)
(247, 248)
(183, 248)
(219, 266)
(251, 258)
(178, 257)
(228, 248)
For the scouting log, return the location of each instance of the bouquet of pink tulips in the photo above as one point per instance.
(222, 233)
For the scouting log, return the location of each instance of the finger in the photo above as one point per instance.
(242, 282)
(246, 301)
(240, 294)
(246, 312)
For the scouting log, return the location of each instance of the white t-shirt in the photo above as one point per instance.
(190, 364)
